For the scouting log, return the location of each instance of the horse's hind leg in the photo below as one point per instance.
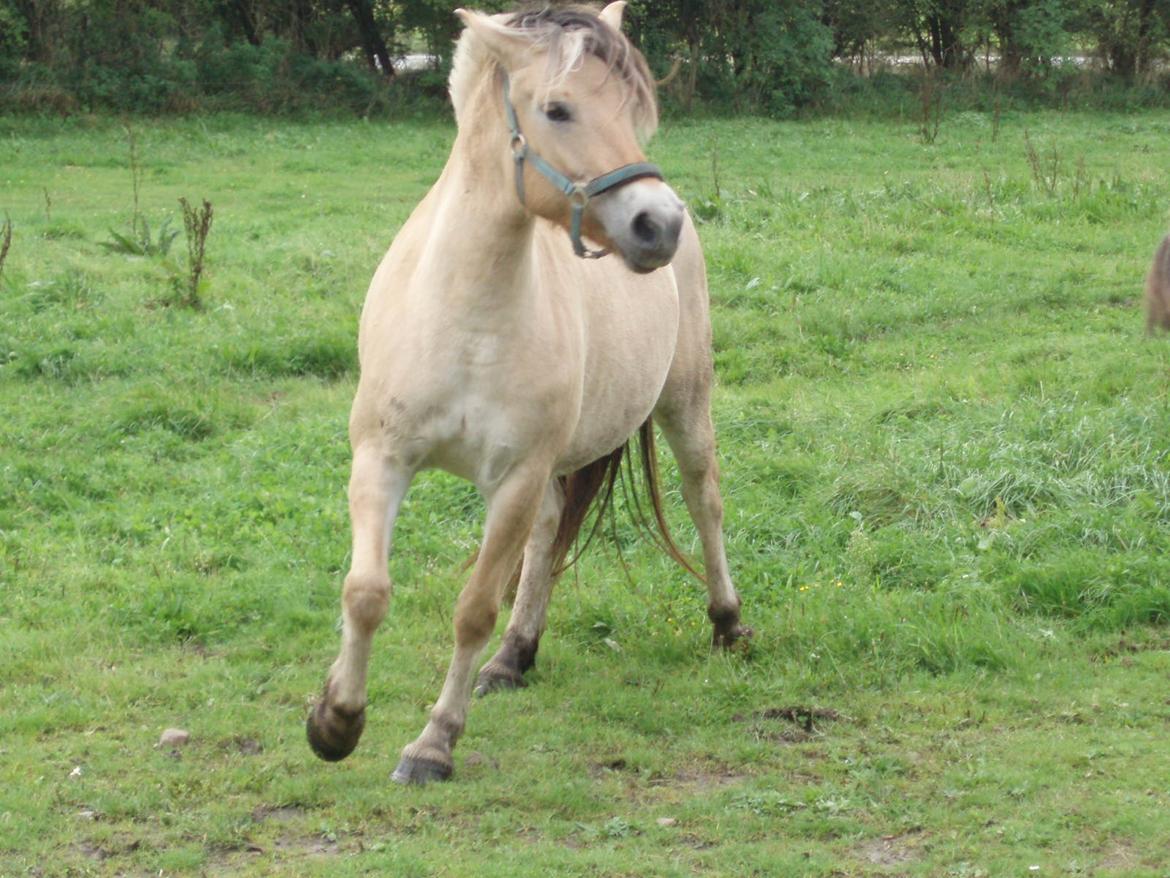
(376, 489)
(512, 509)
(686, 423)
(517, 652)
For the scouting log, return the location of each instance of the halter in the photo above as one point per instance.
(577, 193)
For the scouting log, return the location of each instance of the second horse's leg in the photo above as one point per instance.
(691, 436)
(517, 653)
(511, 511)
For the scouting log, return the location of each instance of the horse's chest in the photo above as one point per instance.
(477, 403)
(477, 400)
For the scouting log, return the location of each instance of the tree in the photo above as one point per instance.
(1129, 33)
(371, 36)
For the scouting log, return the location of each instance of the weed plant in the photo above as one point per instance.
(197, 225)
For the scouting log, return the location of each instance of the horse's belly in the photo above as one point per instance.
(626, 370)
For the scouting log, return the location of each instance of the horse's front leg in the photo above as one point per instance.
(376, 489)
(512, 508)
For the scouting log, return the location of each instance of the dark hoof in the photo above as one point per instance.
(736, 637)
(333, 734)
(495, 678)
(419, 771)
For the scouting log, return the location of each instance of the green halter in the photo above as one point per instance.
(577, 193)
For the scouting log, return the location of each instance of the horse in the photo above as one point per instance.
(1158, 290)
(497, 347)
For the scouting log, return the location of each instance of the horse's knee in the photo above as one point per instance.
(474, 622)
(701, 486)
(712, 500)
(366, 599)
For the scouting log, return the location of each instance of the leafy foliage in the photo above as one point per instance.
(140, 242)
(763, 56)
(945, 446)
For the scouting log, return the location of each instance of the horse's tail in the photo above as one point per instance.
(592, 488)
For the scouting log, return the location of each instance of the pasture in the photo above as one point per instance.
(946, 464)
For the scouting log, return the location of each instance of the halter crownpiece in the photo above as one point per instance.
(578, 193)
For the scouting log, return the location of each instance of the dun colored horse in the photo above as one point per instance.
(501, 349)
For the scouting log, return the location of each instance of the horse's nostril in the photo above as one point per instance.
(646, 230)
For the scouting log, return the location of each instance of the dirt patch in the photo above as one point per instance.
(308, 846)
(113, 848)
(232, 858)
(803, 723)
(1119, 857)
(805, 716)
(598, 770)
(277, 813)
(890, 850)
(243, 745)
(475, 759)
(702, 778)
(1126, 646)
(93, 851)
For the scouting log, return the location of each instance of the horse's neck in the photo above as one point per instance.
(478, 255)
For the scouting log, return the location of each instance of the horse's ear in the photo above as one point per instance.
(612, 14)
(508, 48)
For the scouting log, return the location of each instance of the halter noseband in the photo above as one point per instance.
(577, 193)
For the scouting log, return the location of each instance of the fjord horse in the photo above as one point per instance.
(497, 347)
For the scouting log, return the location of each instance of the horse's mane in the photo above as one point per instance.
(568, 34)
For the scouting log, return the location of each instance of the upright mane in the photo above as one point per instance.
(567, 34)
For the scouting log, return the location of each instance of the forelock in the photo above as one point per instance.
(569, 34)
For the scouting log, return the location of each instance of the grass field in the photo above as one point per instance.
(946, 453)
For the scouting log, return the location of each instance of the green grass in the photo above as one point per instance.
(946, 455)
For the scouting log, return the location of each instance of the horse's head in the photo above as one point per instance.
(576, 99)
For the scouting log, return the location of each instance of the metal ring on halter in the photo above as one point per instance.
(578, 196)
(519, 146)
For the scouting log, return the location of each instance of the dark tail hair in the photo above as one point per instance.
(592, 488)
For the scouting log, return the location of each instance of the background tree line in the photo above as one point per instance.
(769, 56)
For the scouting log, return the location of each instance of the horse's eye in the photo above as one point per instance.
(557, 112)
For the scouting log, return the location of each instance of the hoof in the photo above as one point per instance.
(495, 678)
(731, 637)
(333, 734)
(412, 770)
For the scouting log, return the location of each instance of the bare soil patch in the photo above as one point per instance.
(278, 813)
(891, 850)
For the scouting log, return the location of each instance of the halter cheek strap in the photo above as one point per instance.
(578, 193)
